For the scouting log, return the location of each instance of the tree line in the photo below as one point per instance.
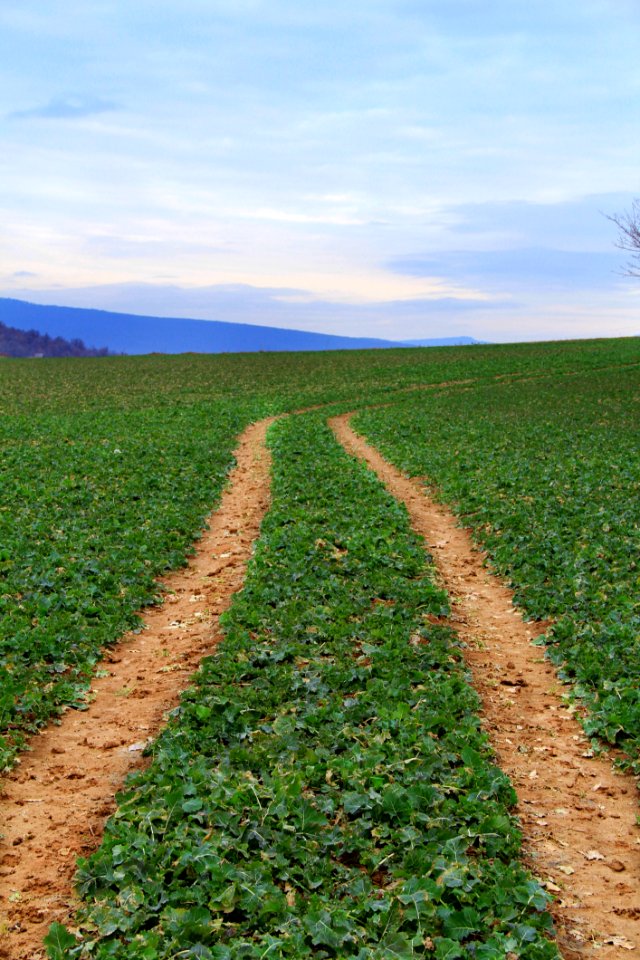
(31, 343)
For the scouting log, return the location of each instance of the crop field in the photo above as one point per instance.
(109, 468)
(325, 788)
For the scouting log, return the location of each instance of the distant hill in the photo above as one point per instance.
(134, 334)
(31, 343)
(442, 342)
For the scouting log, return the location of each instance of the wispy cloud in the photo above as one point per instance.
(66, 108)
(292, 216)
(522, 248)
(149, 248)
(523, 268)
(578, 223)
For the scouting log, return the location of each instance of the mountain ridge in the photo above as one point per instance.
(141, 334)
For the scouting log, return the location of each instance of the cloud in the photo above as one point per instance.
(66, 108)
(292, 216)
(576, 224)
(523, 249)
(19, 274)
(144, 247)
(520, 268)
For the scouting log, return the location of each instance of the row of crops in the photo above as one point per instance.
(548, 477)
(324, 789)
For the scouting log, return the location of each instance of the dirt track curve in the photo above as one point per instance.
(55, 803)
(578, 815)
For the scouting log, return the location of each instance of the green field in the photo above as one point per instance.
(325, 789)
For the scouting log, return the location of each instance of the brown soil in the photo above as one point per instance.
(578, 814)
(56, 801)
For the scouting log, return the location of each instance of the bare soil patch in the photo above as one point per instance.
(578, 814)
(55, 803)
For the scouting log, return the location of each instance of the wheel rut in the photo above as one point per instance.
(55, 802)
(578, 814)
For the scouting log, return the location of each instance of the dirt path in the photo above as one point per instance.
(578, 815)
(56, 801)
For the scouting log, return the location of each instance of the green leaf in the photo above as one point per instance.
(59, 942)
(319, 925)
(396, 946)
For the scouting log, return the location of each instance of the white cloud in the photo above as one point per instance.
(66, 108)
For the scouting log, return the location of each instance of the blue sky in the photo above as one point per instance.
(393, 168)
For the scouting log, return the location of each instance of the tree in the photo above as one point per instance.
(628, 225)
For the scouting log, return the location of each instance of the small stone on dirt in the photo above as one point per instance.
(620, 942)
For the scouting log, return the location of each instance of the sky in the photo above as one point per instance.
(391, 168)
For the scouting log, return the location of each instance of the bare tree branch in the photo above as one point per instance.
(628, 225)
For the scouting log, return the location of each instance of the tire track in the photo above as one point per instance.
(55, 803)
(578, 814)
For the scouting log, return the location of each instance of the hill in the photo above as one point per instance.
(442, 342)
(138, 334)
(31, 343)
(135, 334)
